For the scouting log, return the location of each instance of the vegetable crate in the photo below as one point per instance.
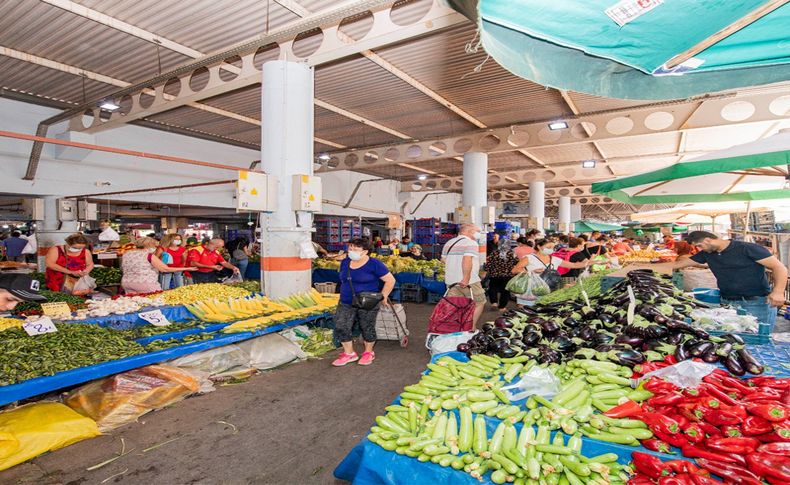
(325, 287)
(773, 356)
(762, 337)
(412, 293)
(434, 297)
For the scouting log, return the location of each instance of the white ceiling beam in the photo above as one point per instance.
(122, 26)
(143, 34)
(576, 111)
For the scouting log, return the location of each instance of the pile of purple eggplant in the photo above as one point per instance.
(571, 330)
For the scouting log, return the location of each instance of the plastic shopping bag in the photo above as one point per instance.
(83, 286)
(518, 284)
(236, 278)
(537, 286)
(448, 342)
(683, 374)
(120, 399)
(31, 247)
(270, 351)
(537, 380)
(34, 429)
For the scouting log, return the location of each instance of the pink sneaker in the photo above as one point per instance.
(346, 359)
(367, 358)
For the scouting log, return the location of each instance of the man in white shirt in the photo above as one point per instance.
(461, 256)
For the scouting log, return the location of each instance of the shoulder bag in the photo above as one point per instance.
(364, 300)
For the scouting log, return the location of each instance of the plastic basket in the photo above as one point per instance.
(762, 337)
(325, 287)
(434, 297)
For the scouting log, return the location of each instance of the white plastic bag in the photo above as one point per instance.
(270, 351)
(448, 342)
(686, 374)
(297, 334)
(83, 286)
(537, 380)
(214, 361)
(31, 247)
(307, 251)
(235, 278)
(109, 235)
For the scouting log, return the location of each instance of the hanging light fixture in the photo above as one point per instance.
(588, 164)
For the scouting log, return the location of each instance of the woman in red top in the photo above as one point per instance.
(173, 253)
(67, 263)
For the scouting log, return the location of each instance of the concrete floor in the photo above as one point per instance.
(292, 426)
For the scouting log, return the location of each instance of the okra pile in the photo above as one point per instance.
(442, 418)
(23, 357)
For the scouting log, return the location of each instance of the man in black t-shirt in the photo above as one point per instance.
(739, 268)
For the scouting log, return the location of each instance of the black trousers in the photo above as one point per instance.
(347, 317)
(497, 294)
(212, 277)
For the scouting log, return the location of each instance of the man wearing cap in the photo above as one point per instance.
(16, 288)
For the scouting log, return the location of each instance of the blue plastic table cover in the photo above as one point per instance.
(326, 276)
(408, 278)
(433, 286)
(176, 313)
(41, 385)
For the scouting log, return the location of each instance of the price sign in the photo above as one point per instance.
(40, 326)
(56, 309)
(155, 318)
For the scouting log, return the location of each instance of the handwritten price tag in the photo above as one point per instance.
(155, 318)
(56, 309)
(40, 326)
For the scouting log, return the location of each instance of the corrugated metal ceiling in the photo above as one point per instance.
(439, 61)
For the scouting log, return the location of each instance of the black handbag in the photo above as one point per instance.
(364, 300)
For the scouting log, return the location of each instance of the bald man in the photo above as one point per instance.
(209, 261)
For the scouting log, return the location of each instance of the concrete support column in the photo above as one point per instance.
(564, 214)
(286, 150)
(475, 190)
(576, 212)
(537, 202)
(50, 231)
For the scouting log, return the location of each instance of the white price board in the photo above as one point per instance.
(40, 326)
(155, 318)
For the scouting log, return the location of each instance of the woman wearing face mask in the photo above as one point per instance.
(359, 273)
(542, 260)
(68, 263)
(141, 268)
(173, 253)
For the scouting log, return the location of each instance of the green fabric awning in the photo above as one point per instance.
(749, 172)
(590, 226)
(575, 45)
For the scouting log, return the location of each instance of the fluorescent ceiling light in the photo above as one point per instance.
(109, 106)
(324, 156)
(588, 164)
(558, 125)
(422, 177)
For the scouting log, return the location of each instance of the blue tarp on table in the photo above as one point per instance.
(433, 286)
(408, 278)
(177, 313)
(326, 276)
(369, 464)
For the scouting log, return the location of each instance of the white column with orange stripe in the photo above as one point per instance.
(286, 150)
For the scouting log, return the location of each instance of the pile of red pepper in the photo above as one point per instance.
(770, 463)
(738, 429)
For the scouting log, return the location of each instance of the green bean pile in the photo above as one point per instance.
(74, 345)
(175, 342)
(591, 284)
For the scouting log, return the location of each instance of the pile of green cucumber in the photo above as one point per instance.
(442, 419)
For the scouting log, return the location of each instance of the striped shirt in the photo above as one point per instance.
(453, 254)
